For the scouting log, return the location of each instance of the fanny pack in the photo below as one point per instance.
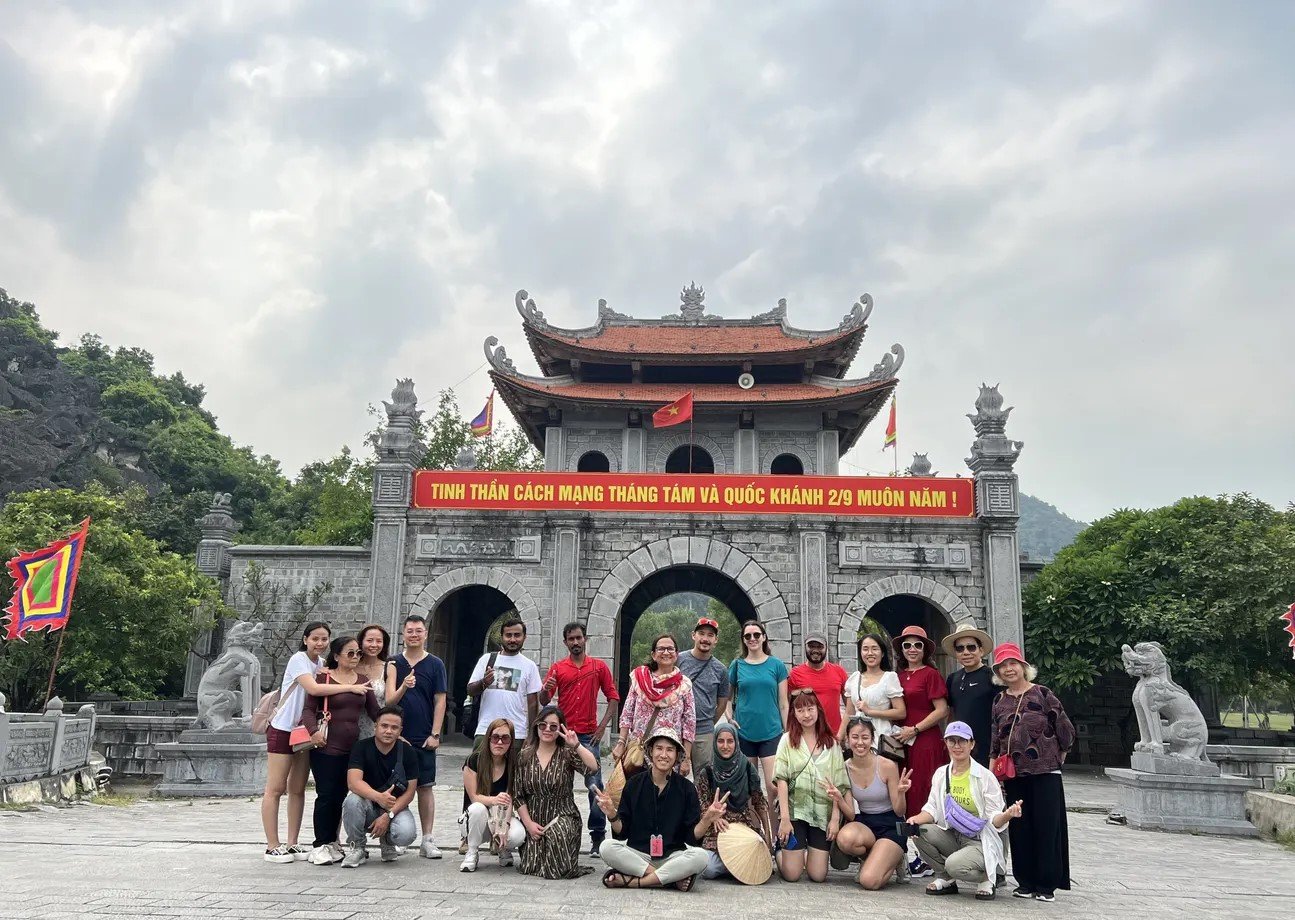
(957, 817)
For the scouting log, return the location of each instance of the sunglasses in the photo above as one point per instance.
(502, 739)
(803, 691)
(973, 647)
(351, 653)
(912, 645)
(752, 635)
(549, 726)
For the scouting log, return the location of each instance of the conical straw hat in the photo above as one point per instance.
(615, 785)
(745, 854)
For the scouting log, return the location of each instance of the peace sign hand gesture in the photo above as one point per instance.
(905, 781)
(570, 736)
(605, 804)
(716, 810)
(831, 791)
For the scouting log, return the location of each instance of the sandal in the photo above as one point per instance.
(625, 880)
(938, 887)
(686, 884)
(985, 891)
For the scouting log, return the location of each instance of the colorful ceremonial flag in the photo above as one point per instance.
(44, 581)
(1289, 618)
(676, 413)
(891, 431)
(484, 423)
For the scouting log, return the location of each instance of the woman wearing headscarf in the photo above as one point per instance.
(737, 780)
(1032, 734)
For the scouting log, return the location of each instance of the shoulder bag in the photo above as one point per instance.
(1003, 766)
(301, 739)
(472, 705)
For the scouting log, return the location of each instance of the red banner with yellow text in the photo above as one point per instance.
(857, 496)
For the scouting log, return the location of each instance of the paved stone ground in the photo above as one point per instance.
(202, 859)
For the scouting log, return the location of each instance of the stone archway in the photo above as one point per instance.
(766, 458)
(941, 597)
(668, 443)
(697, 553)
(435, 591)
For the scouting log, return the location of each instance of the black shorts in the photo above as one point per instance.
(426, 766)
(808, 836)
(758, 748)
(882, 826)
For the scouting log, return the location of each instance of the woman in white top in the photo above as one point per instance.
(375, 644)
(874, 691)
(962, 820)
(287, 770)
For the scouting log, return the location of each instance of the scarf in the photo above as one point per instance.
(732, 774)
(659, 692)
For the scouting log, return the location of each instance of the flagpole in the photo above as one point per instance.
(58, 653)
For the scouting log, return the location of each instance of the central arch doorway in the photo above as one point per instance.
(680, 579)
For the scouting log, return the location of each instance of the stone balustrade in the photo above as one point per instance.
(39, 746)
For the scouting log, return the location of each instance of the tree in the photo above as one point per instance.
(1206, 577)
(284, 614)
(133, 615)
(671, 614)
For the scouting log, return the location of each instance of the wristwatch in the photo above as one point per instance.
(436, 735)
(391, 815)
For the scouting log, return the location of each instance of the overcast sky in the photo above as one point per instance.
(1091, 203)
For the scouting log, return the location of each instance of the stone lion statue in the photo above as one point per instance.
(1169, 721)
(228, 689)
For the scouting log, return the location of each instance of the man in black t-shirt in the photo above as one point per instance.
(971, 688)
(383, 779)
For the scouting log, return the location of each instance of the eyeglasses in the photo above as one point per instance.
(502, 739)
(755, 635)
(956, 740)
(351, 653)
(907, 645)
(549, 726)
(967, 648)
(666, 650)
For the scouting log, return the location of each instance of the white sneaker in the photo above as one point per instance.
(355, 854)
(279, 854)
(389, 850)
(429, 850)
(299, 853)
(469, 862)
(326, 855)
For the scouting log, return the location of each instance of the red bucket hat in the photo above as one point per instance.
(913, 632)
(1008, 651)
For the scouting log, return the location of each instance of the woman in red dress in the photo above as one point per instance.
(924, 700)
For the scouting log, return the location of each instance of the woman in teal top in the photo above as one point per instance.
(759, 699)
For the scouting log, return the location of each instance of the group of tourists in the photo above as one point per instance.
(717, 770)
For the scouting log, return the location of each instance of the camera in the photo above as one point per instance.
(906, 830)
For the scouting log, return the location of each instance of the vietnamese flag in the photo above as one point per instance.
(891, 430)
(677, 412)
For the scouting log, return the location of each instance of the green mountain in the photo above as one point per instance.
(1043, 530)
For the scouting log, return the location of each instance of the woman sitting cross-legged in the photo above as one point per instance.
(735, 777)
(488, 783)
(658, 822)
(961, 820)
(877, 788)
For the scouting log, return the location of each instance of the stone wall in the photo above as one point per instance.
(1104, 721)
(127, 742)
(301, 568)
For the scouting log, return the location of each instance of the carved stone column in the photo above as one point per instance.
(566, 575)
(634, 450)
(218, 528)
(555, 449)
(829, 452)
(813, 584)
(993, 459)
(398, 452)
(745, 459)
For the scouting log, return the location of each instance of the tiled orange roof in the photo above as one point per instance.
(702, 392)
(697, 340)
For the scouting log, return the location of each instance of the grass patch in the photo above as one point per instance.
(1287, 839)
(1278, 721)
(116, 799)
(14, 806)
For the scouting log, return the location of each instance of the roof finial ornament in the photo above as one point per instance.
(889, 365)
(692, 297)
(497, 357)
(921, 465)
(858, 315)
(530, 313)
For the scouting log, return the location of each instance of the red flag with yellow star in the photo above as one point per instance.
(44, 581)
(676, 413)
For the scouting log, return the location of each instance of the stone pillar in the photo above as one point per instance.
(993, 458)
(745, 458)
(555, 449)
(634, 450)
(218, 528)
(813, 585)
(829, 452)
(566, 572)
(398, 451)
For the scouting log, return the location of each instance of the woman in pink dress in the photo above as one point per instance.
(926, 707)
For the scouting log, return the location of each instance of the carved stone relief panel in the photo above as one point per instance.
(862, 554)
(524, 548)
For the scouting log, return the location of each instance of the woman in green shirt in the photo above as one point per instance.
(808, 763)
(759, 697)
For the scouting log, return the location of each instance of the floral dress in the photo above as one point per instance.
(546, 791)
(677, 712)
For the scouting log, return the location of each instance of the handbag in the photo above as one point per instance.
(630, 762)
(302, 740)
(1003, 766)
(472, 705)
(892, 748)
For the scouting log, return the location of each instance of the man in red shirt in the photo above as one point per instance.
(575, 682)
(826, 679)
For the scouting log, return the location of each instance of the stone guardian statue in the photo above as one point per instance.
(1172, 730)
